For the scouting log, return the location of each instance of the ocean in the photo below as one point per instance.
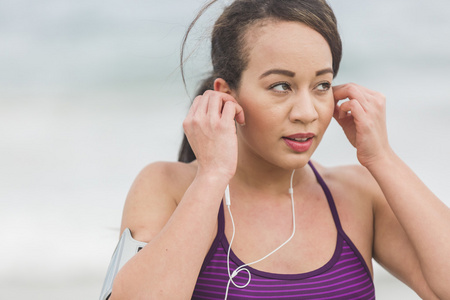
(90, 92)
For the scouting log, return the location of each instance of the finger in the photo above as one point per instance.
(202, 107)
(239, 114)
(214, 107)
(238, 111)
(363, 89)
(353, 108)
(344, 110)
(198, 107)
(350, 91)
(194, 106)
(338, 92)
(214, 101)
(232, 110)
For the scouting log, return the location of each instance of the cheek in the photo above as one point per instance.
(260, 120)
(326, 110)
(258, 111)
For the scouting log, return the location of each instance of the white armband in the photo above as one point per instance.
(126, 249)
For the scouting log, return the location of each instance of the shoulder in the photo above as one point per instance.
(353, 178)
(154, 195)
(166, 178)
(356, 194)
(358, 181)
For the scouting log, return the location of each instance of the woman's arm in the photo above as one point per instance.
(179, 236)
(422, 216)
(423, 220)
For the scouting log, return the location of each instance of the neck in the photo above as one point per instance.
(267, 178)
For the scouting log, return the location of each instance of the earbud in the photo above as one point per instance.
(227, 196)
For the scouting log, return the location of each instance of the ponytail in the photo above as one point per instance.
(186, 154)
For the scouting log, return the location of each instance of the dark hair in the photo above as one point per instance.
(229, 53)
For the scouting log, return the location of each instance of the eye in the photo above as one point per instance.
(324, 86)
(281, 87)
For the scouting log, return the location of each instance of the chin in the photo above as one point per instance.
(299, 164)
(295, 161)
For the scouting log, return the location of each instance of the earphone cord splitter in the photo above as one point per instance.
(243, 267)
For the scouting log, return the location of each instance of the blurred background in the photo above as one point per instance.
(90, 92)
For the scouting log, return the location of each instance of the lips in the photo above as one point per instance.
(299, 142)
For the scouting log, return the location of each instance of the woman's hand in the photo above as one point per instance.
(211, 131)
(363, 119)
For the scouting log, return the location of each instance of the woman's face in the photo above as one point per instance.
(286, 94)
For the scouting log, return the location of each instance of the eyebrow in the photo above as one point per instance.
(325, 71)
(277, 71)
(292, 74)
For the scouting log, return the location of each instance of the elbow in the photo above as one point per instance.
(126, 287)
(442, 291)
(119, 289)
(437, 287)
(116, 294)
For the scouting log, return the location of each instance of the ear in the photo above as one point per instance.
(221, 85)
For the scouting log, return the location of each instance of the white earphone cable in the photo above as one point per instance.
(243, 267)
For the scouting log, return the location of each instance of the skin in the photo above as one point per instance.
(390, 220)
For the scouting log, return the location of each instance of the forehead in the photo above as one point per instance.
(290, 45)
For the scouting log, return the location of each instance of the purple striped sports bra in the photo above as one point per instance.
(344, 276)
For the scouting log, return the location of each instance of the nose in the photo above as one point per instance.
(303, 109)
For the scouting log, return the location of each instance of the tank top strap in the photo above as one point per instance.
(329, 196)
(221, 219)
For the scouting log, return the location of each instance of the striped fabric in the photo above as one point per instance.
(344, 276)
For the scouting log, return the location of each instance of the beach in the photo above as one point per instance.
(91, 93)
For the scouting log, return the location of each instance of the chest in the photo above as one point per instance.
(313, 244)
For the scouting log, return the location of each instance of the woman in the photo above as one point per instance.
(269, 101)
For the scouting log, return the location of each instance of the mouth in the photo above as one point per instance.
(300, 137)
(299, 142)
